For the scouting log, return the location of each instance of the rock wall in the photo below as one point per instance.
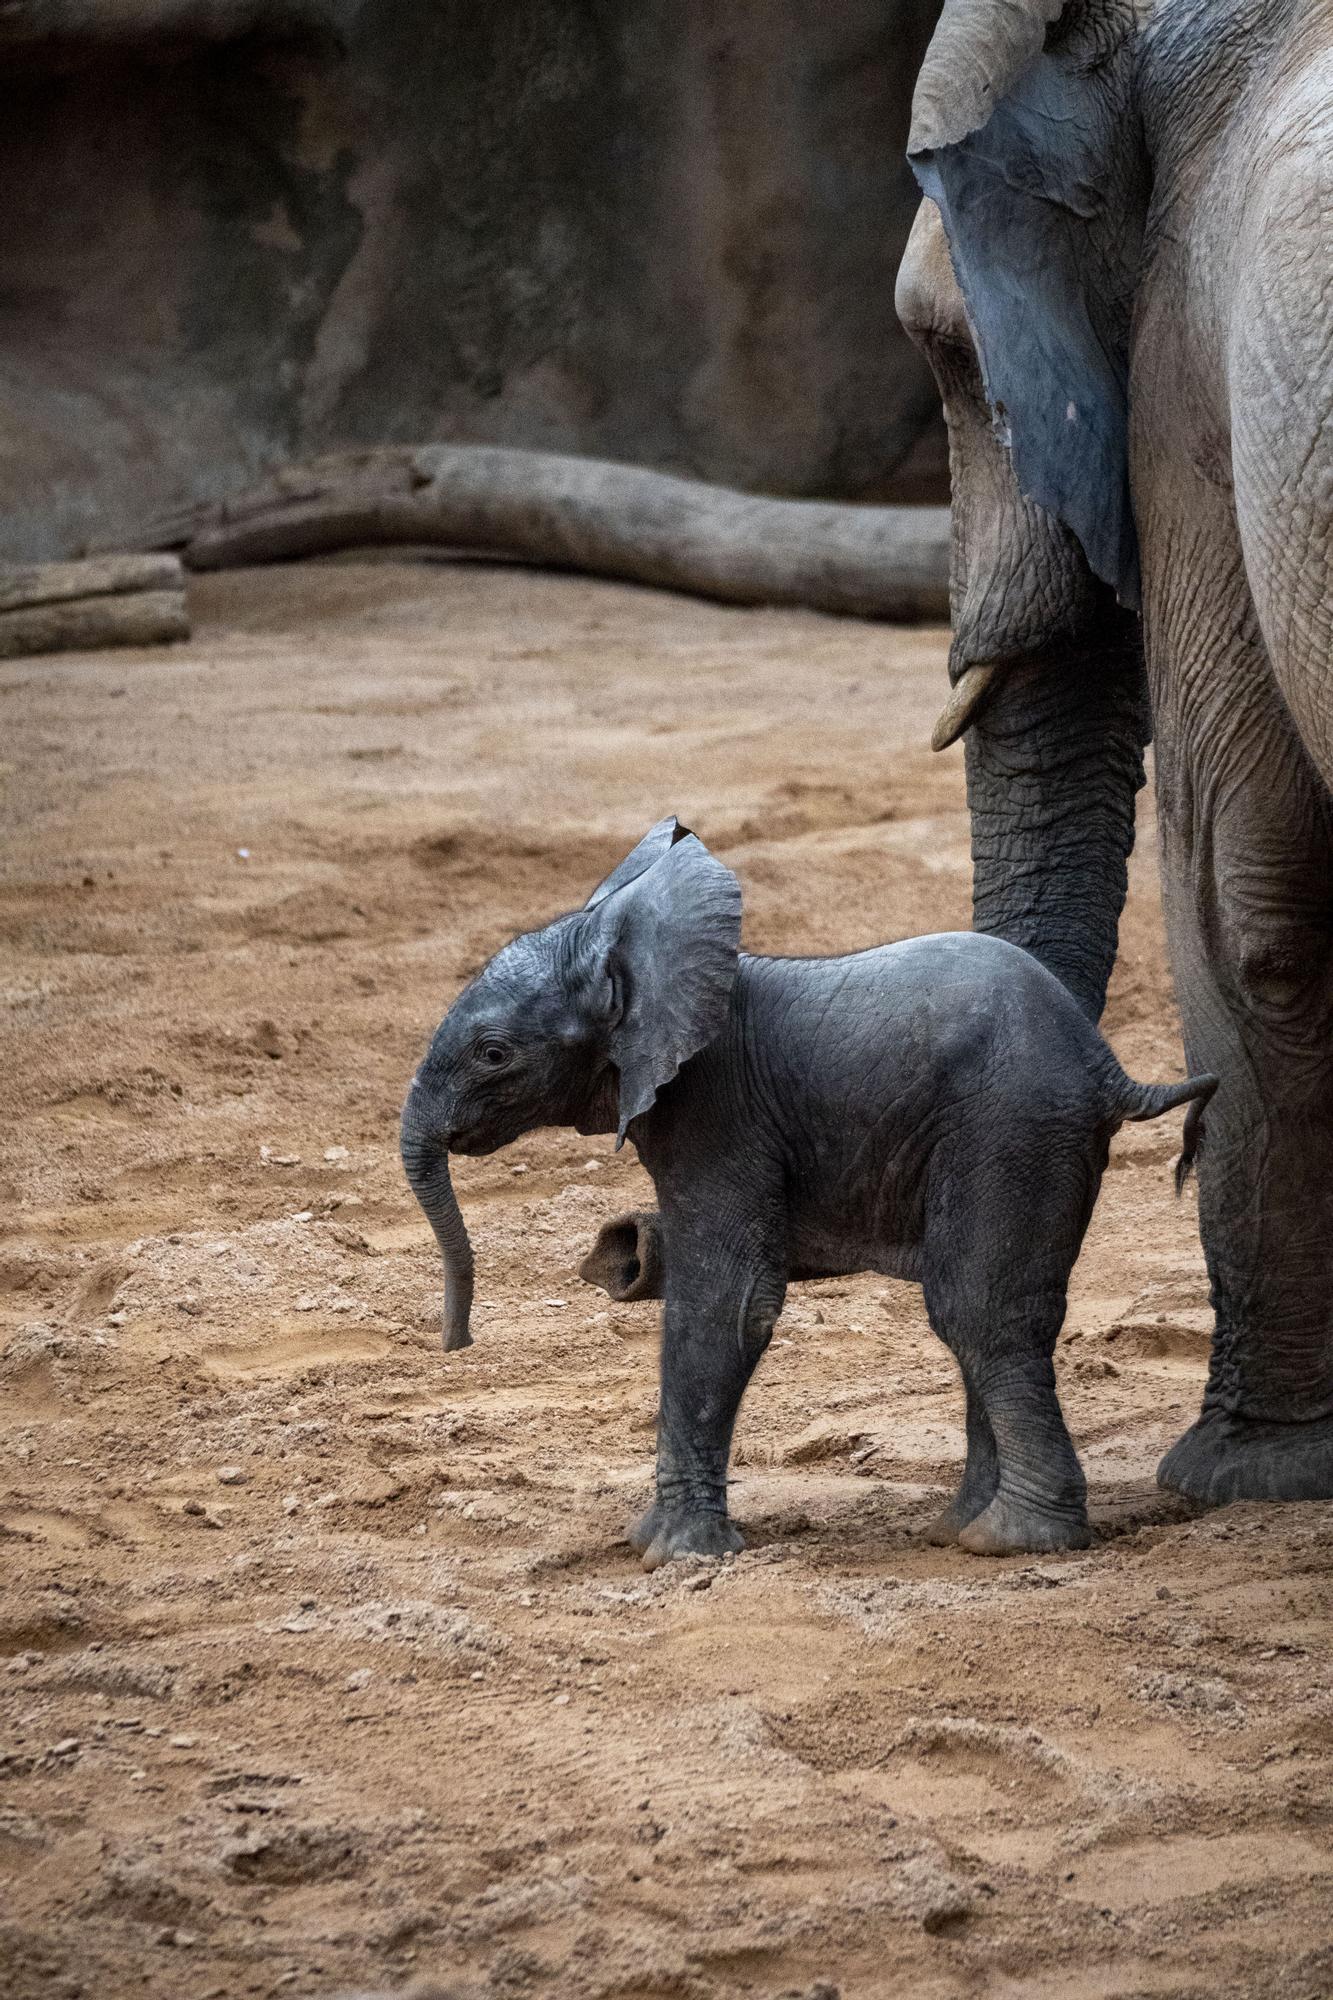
(236, 232)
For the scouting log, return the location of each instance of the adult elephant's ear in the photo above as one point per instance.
(1024, 135)
(663, 951)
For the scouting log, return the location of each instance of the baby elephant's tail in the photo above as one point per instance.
(1150, 1100)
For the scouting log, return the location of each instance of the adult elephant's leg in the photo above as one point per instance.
(1246, 830)
(1244, 707)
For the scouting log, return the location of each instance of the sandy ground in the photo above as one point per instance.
(325, 1663)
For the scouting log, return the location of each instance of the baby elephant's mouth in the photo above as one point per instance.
(473, 1144)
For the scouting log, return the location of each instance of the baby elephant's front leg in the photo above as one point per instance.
(717, 1323)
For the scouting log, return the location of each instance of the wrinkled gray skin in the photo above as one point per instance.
(1132, 326)
(937, 1110)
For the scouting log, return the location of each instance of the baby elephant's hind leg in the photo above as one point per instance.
(981, 1475)
(1041, 1501)
(1004, 1337)
(999, 1250)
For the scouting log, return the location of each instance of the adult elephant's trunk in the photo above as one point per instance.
(1046, 670)
(1054, 760)
(426, 1164)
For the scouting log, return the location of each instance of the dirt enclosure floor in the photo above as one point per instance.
(325, 1666)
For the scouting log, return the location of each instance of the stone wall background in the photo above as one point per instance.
(658, 230)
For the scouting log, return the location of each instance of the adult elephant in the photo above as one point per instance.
(1133, 335)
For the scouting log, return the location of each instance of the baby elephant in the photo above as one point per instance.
(938, 1110)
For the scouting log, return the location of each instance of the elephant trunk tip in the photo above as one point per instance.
(458, 1305)
(427, 1165)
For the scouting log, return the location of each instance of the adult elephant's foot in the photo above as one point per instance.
(1223, 1458)
(664, 1535)
(1010, 1527)
(641, 1532)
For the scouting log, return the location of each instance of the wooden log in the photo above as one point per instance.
(590, 515)
(97, 576)
(134, 618)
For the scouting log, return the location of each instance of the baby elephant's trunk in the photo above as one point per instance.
(426, 1164)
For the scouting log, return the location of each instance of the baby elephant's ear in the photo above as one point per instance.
(650, 849)
(670, 937)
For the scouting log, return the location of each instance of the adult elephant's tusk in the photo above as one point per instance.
(964, 703)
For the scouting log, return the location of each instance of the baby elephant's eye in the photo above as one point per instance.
(493, 1054)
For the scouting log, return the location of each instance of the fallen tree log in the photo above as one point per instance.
(96, 576)
(149, 618)
(136, 600)
(584, 514)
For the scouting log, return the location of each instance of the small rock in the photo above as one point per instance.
(180, 1940)
(356, 1681)
(195, 1507)
(520, 1169)
(559, 1303)
(183, 1742)
(230, 1475)
(304, 1215)
(68, 1746)
(376, 1489)
(306, 1303)
(592, 1166)
(561, 1701)
(292, 1504)
(701, 1582)
(937, 1899)
(332, 1153)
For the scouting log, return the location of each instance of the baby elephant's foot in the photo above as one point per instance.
(1010, 1527)
(947, 1525)
(664, 1535)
